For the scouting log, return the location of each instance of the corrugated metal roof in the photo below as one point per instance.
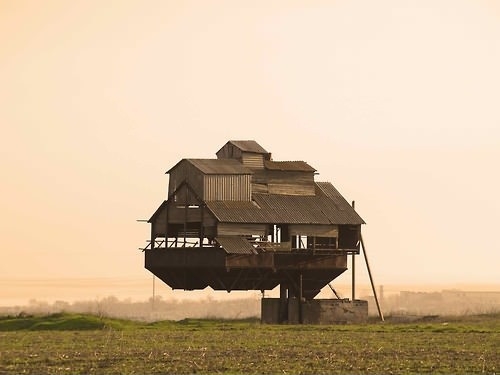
(235, 245)
(326, 207)
(239, 212)
(216, 166)
(249, 146)
(299, 165)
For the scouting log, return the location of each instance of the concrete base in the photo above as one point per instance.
(316, 311)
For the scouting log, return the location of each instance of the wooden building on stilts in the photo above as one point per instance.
(243, 221)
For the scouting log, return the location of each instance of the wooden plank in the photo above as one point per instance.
(260, 188)
(252, 160)
(292, 189)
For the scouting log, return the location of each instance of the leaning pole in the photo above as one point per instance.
(380, 314)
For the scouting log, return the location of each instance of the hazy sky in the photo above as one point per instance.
(397, 103)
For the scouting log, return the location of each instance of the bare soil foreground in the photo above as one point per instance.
(83, 344)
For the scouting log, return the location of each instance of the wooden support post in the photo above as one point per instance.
(353, 267)
(166, 225)
(283, 308)
(185, 216)
(202, 234)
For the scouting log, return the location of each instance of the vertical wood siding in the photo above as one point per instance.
(227, 187)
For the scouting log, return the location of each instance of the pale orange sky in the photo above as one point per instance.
(394, 102)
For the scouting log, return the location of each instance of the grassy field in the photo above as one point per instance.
(82, 344)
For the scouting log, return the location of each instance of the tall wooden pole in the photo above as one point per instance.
(353, 266)
(371, 279)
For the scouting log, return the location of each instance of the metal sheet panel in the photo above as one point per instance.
(235, 245)
(298, 165)
(219, 166)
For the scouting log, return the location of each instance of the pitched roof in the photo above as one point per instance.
(249, 146)
(216, 166)
(295, 166)
(326, 207)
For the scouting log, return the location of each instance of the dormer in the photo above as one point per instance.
(249, 153)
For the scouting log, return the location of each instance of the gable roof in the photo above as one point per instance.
(326, 207)
(249, 146)
(216, 166)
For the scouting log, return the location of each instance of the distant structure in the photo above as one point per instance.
(243, 221)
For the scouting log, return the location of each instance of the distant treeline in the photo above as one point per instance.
(150, 310)
(447, 302)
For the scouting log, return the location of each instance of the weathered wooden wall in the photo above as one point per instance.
(280, 182)
(241, 229)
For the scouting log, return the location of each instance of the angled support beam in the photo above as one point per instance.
(371, 280)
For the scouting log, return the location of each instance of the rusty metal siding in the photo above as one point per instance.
(227, 188)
